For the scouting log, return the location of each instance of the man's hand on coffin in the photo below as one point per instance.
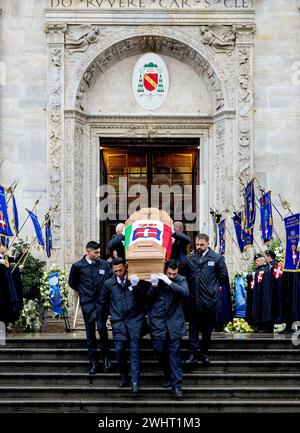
(154, 280)
(134, 280)
(165, 279)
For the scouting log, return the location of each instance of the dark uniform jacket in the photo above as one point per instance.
(205, 275)
(181, 241)
(116, 244)
(126, 307)
(88, 279)
(11, 292)
(165, 312)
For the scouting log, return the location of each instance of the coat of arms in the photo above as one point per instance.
(150, 81)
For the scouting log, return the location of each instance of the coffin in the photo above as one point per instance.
(148, 241)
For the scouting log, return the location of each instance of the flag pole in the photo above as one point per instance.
(26, 219)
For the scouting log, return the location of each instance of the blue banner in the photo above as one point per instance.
(266, 219)
(48, 236)
(16, 215)
(54, 293)
(237, 221)
(222, 236)
(4, 241)
(250, 211)
(37, 228)
(240, 297)
(5, 229)
(292, 252)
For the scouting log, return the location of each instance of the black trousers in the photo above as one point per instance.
(169, 358)
(91, 339)
(204, 320)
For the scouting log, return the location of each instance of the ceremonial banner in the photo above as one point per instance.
(292, 251)
(240, 297)
(149, 230)
(54, 293)
(237, 221)
(5, 229)
(266, 218)
(222, 236)
(249, 198)
(16, 215)
(247, 234)
(37, 228)
(48, 237)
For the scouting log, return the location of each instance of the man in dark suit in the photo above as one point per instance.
(87, 277)
(116, 244)
(180, 242)
(206, 273)
(125, 299)
(166, 322)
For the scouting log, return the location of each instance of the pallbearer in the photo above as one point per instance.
(167, 324)
(124, 298)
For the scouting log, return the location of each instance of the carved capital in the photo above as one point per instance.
(244, 33)
(55, 33)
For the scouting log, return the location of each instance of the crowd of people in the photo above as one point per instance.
(193, 292)
(187, 291)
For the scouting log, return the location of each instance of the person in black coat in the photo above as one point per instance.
(179, 243)
(125, 300)
(262, 296)
(166, 322)
(116, 244)
(206, 272)
(11, 291)
(87, 277)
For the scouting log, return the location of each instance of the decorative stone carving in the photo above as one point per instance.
(151, 43)
(220, 38)
(55, 39)
(220, 165)
(166, 46)
(244, 42)
(81, 43)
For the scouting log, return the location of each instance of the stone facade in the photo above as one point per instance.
(237, 63)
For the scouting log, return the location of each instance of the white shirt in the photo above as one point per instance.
(88, 260)
(120, 279)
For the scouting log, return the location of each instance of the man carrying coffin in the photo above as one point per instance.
(125, 300)
(166, 322)
(87, 277)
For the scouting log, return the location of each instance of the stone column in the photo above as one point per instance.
(244, 56)
(55, 133)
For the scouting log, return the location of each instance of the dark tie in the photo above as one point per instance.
(123, 282)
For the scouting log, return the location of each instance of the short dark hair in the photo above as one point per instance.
(172, 263)
(93, 245)
(258, 256)
(271, 254)
(118, 261)
(202, 236)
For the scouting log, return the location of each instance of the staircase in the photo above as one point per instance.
(49, 373)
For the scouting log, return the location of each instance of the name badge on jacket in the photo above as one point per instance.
(101, 271)
(211, 263)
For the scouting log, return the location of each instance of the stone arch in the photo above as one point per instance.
(175, 44)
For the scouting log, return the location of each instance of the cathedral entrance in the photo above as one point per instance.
(143, 172)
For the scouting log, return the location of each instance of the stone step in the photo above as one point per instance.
(62, 393)
(150, 366)
(148, 379)
(248, 342)
(135, 405)
(81, 354)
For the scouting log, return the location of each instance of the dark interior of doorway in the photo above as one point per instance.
(160, 161)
